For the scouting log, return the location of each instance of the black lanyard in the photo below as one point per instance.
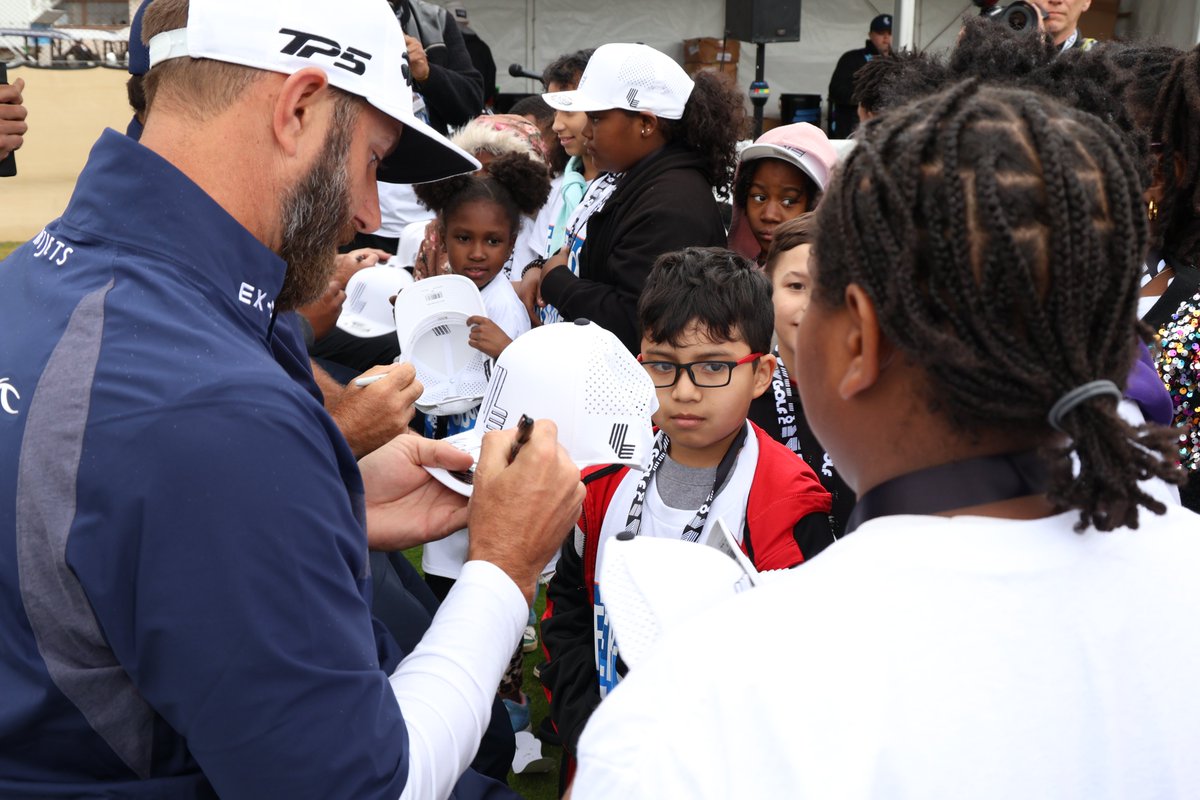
(959, 484)
(781, 384)
(662, 443)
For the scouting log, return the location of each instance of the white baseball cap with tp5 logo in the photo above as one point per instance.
(358, 43)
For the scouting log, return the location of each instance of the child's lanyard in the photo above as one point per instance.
(786, 411)
(694, 528)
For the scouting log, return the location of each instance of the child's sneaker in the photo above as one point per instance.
(529, 639)
(528, 758)
(518, 713)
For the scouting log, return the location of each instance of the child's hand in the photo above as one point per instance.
(431, 257)
(486, 336)
(528, 290)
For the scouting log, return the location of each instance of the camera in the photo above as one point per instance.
(1019, 16)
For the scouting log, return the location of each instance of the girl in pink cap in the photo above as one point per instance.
(779, 177)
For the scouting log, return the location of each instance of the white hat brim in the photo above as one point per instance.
(576, 100)
(361, 327)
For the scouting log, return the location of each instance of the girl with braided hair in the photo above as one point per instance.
(1011, 614)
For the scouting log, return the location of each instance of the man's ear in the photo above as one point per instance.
(863, 343)
(764, 372)
(293, 119)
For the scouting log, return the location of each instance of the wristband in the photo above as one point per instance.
(537, 263)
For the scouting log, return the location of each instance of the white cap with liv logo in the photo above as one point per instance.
(582, 377)
(634, 77)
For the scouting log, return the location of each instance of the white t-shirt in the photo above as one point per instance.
(529, 245)
(928, 657)
(446, 556)
(544, 223)
(398, 207)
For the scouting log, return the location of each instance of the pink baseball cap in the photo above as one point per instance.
(800, 144)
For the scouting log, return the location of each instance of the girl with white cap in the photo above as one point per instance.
(666, 141)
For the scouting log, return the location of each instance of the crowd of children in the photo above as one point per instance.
(622, 214)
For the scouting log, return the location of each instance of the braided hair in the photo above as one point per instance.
(1087, 80)
(1174, 129)
(515, 181)
(999, 235)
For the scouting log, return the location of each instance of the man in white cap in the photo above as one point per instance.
(184, 594)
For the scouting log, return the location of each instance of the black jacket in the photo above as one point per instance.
(664, 203)
(454, 90)
(843, 113)
(481, 57)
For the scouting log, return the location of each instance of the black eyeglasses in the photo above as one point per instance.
(704, 374)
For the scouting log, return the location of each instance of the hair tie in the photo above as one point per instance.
(1079, 394)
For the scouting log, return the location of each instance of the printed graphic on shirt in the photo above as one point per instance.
(250, 295)
(606, 646)
(8, 397)
(56, 251)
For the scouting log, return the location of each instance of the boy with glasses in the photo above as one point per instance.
(707, 320)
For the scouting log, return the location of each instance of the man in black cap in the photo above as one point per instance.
(843, 112)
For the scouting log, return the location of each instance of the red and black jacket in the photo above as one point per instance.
(786, 523)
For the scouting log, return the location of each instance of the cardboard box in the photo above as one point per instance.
(693, 67)
(709, 50)
(1100, 20)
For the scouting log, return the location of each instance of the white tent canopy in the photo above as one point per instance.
(534, 32)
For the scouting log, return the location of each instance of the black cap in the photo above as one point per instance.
(882, 24)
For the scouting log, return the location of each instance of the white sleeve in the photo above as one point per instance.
(529, 245)
(504, 307)
(445, 687)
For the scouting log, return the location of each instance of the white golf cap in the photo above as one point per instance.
(431, 324)
(358, 43)
(652, 586)
(367, 310)
(634, 77)
(582, 377)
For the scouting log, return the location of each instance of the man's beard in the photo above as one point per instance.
(316, 219)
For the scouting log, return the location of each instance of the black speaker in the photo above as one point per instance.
(763, 20)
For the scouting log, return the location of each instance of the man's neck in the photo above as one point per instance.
(216, 169)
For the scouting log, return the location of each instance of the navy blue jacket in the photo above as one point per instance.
(184, 583)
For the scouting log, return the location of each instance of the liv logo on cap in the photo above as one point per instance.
(578, 375)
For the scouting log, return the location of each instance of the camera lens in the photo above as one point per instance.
(1018, 18)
